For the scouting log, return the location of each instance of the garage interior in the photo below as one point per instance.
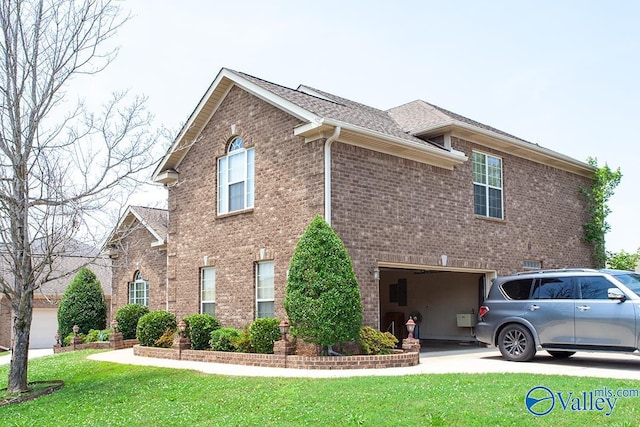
(443, 303)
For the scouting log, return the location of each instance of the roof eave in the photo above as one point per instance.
(376, 141)
(510, 145)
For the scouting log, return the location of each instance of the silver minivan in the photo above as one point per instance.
(561, 311)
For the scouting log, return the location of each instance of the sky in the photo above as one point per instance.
(561, 74)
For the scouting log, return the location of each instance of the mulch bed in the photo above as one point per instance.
(35, 389)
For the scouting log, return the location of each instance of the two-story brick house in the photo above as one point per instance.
(430, 205)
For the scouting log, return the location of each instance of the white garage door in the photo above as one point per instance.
(43, 328)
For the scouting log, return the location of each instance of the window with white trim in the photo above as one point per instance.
(139, 290)
(236, 178)
(265, 285)
(208, 291)
(487, 185)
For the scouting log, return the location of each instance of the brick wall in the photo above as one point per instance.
(396, 210)
(137, 254)
(5, 321)
(288, 193)
(384, 208)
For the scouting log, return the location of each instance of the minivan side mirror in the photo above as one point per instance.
(615, 293)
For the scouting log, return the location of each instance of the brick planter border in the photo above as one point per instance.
(397, 359)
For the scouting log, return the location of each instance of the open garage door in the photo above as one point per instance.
(444, 302)
(44, 326)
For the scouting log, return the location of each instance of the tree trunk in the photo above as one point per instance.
(21, 316)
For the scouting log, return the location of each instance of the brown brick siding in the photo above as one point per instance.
(385, 209)
(5, 322)
(137, 254)
(288, 192)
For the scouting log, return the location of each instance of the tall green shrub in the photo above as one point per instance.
(127, 317)
(200, 327)
(82, 304)
(153, 325)
(322, 296)
(264, 332)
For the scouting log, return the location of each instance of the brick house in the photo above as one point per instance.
(137, 249)
(430, 205)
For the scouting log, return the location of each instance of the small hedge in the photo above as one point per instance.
(373, 341)
(199, 329)
(153, 325)
(127, 317)
(224, 339)
(264, 332)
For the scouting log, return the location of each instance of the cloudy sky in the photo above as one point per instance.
(562, 74)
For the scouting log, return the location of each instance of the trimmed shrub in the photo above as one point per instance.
(95, 335)
(373, 341)
(243, 342)
(263, 333)
(322, 297)
(127, 317)
(153, 325)
(166, 340)
(223, 339)
(199, 328)
(82, 304)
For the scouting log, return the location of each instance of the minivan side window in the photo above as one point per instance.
(517, 289)
(554, 288)
(594, 287)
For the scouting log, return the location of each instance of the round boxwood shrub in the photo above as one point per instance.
(153, 325)
(82, 304)
(127, 317)
(373, 341)
(200, 327)
(223, 339)
(263, 334)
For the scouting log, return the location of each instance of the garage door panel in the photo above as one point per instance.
(44, 326)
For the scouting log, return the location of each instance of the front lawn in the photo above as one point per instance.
(107, 394)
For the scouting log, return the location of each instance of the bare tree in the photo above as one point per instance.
(60, 170)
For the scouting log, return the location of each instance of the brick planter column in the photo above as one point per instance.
(180, 342)
(115, 341)
(283, 348)
(411, 345)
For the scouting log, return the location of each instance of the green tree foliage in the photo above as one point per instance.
(623, 260)
(605, 182)
(154, 325)
(200, 327)
(322, 296)
(264, 332)
(82, 304)
(127, 317)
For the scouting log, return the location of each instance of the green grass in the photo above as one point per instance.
(107, 394)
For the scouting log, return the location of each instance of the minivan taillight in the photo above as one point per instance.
(483, 310)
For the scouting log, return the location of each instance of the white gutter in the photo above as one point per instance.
(327, 173)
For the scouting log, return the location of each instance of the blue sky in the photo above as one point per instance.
(562, 74)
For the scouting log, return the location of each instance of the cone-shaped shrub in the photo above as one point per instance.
(82, 304)
(322, 298)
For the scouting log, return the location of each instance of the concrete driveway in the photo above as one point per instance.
(477, 360)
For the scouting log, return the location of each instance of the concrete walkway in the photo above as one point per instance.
(476, 360)
(33, 354)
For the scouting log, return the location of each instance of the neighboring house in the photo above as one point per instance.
(430, 205)
(44, 323)
(137, 249)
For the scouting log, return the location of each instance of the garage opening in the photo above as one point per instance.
(443, 303)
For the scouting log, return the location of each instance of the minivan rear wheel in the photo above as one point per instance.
(516, 343)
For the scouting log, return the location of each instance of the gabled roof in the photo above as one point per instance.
(401, 131)
(155, 220)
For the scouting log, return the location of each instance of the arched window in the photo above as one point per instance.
(236, 178)
(139, 290)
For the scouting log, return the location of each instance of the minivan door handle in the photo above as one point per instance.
(583, 307)
(534, 307)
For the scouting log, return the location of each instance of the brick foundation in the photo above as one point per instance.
(394, 360)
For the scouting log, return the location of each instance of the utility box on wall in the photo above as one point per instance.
(466, 320)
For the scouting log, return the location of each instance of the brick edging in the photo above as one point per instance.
(394, 360)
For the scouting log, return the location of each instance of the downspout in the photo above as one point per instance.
(327, 173)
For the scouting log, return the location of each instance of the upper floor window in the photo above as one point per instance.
(139, 290)
(208, 291)
(236, 178)
(487, 185)
(265, 289)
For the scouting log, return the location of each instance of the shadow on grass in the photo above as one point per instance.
(35, 389)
